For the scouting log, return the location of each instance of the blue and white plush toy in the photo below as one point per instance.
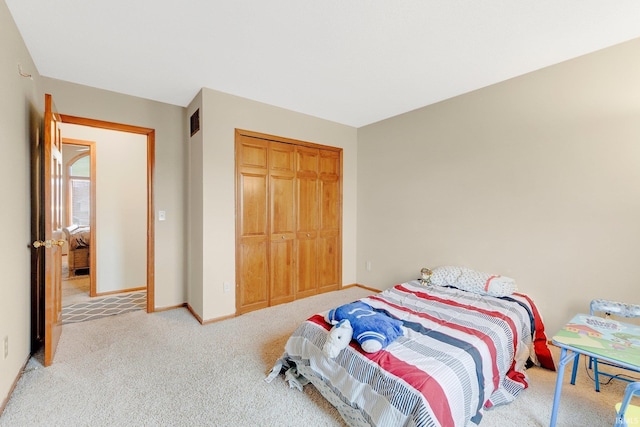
(339, 338)
(371, 329)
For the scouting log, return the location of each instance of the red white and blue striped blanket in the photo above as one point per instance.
(461, 353)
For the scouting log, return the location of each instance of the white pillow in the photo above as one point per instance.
(473, 281)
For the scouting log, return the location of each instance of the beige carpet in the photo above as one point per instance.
(165, 369)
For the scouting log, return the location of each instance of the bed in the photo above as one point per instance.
(79, 247)
(461, 353)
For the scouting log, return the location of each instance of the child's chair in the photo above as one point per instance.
(628, 415)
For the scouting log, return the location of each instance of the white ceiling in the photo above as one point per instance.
(350, 61)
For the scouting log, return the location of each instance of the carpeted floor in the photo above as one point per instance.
(165, 369)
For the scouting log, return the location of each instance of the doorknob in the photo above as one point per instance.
(47, 243)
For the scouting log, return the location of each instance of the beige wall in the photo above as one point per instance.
(121, 206)
(536, 178)
(195, 215)
(21, 107)
(220, 115)
(169, 124)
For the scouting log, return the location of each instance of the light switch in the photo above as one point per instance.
(161, 215)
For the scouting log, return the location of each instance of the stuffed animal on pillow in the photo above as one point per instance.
(371, 329)
(425, 276)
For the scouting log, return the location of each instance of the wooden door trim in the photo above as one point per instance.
(92, 207)
(151, 141)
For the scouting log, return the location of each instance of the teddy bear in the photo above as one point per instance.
(371, 329)
(425, 276)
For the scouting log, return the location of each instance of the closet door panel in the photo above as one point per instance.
(281, 158)
(328, 261)
(253, 279)
(282, 223)
(282, 272)
(330, 238)
(252, 153)
(330, 190)
(254, 239)
(329, 205)
(282, 189)
(306, 238)
(252, 225)
(253, 204)
(329, 163)
(307, 205)
(307, 221)
(307, 161)
(306, 262)
(282, 206)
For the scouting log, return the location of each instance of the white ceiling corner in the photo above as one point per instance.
(353, 62)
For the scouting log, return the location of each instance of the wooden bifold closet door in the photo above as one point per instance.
(288, 220)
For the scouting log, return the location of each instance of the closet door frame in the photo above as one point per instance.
(240, 274)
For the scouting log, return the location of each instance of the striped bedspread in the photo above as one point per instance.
(460, 354)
